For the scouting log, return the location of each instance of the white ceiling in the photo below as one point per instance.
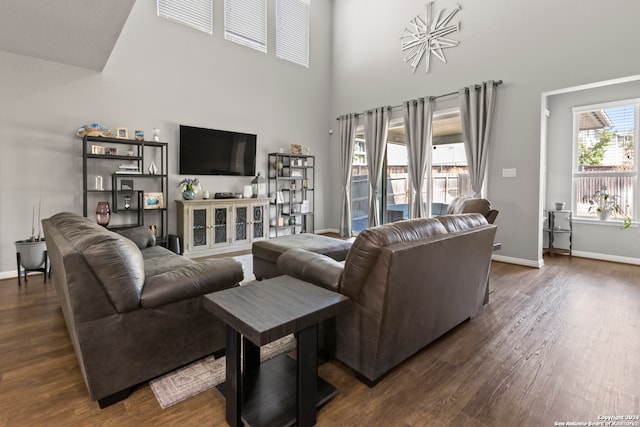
(74, 32)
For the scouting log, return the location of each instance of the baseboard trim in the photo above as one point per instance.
(605, 257)
(8, 274)
(518, 261)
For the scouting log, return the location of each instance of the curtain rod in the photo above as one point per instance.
(495, 83)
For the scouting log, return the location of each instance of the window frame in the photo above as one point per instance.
(633, 174)
(292, 45)
(233, 28)
(197, 14)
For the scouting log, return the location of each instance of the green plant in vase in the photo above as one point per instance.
(604, 204)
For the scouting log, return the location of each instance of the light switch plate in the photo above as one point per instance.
(509, 173)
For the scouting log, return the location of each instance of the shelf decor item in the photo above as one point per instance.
(153, 200)
(139, 135)
(156, 134)
(258, 186)
(296, 149)
(103, 213)
(189, 188)
(93, 129)
(153, 169)
(122, 133)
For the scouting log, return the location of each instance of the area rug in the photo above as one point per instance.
(206, 373)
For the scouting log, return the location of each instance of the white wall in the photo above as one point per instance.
(533, 46)
(160, 74)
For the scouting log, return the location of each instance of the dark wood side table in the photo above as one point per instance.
(278, 391)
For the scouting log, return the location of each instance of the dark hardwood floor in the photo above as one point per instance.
(560, 343)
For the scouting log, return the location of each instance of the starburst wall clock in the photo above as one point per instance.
(423, 38)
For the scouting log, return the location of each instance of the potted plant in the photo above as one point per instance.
(604, 204)
(189, 188)
(31, 253)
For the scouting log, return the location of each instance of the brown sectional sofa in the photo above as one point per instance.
(133, 310)
(408, 283)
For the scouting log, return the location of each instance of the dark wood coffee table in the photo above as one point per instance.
(278, 391)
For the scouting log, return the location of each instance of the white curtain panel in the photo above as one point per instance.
(376, 129)
(418, 116)
(477, 104)
(347, 137)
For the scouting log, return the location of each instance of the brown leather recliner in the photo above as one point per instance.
(461, 205)
(408, 283)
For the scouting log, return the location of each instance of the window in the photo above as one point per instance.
(446, 179)
(605, 154)
(197, 14)
(245, 22)
(292, 31)
(449, 169)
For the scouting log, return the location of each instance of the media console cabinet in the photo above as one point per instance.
(213, 226)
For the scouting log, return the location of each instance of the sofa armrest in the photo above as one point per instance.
(311, 267)
(143, 237)
(190, 281)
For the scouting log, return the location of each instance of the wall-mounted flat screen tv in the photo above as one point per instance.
(216, 152)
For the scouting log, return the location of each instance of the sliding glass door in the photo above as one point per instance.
(446, 178)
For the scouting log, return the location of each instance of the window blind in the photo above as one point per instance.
(245, 22)
(292, 31)
(197, 14)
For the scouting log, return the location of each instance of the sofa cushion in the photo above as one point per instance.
(462, 205)
(158, 260)
(367, 246)
(269, 250)
(461, 222)
(118, 263)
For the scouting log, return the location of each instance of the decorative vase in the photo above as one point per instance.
(188, 195)
(292, 220)
(103, 213)
(603, 214)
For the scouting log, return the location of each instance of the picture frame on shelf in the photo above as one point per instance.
(97, 149)
(153, 201)
(296, 149)
(126, 185)
(111, 151)
(122, 133)
(139, 134)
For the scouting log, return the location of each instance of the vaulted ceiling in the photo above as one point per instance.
(74, 32)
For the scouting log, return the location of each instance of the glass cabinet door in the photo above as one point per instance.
(242, 224)
(258, 222)
(199, 228)
(220, 225)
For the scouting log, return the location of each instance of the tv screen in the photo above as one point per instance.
(216, 152)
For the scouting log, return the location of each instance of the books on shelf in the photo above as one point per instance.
(128, 168)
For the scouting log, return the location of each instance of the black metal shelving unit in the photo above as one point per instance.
(103, 161)
(293, 176)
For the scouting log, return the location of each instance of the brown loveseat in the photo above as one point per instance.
(133, 310)
(408, 283)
